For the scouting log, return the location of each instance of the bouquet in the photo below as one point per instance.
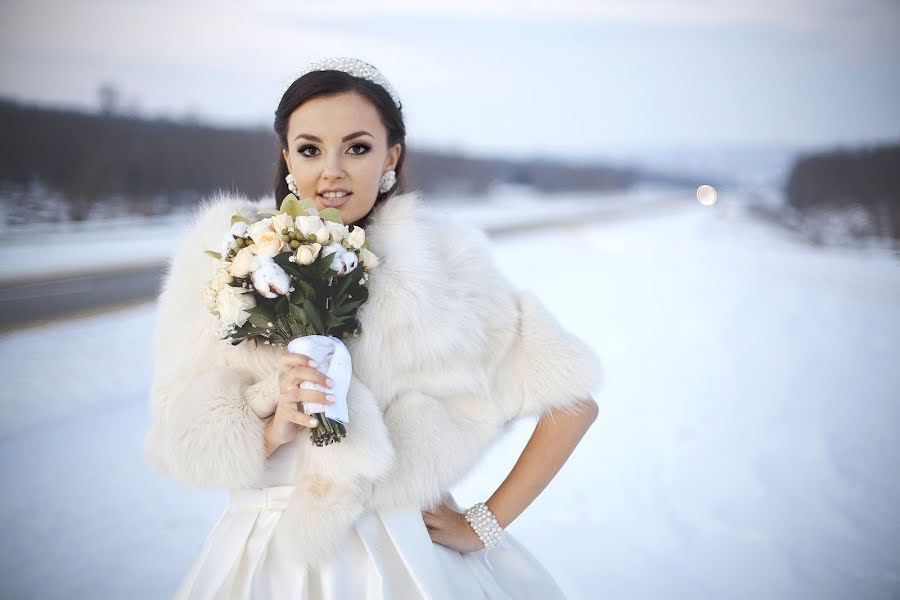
(295, 277)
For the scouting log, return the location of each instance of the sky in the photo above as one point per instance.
(568, 78)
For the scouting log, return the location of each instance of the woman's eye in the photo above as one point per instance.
(365, 148)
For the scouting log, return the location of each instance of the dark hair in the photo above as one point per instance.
(330, 83)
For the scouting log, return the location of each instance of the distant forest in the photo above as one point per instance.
(859, 187)
(63, 161)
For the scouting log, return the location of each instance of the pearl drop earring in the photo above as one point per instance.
(292, 184)
(387, 181)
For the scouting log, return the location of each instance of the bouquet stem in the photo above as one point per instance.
(327, 431)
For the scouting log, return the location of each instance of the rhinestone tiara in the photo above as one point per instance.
(352, 66)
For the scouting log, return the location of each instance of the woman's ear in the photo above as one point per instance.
(284, 154)
(394, 156)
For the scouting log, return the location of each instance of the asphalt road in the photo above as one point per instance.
(30, 304)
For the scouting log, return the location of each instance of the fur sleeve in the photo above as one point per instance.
(205, 432)
(544, 366)
(558, 369)
(209, 404)
(537, 364)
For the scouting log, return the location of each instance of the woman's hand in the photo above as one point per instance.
(283, 426)
(450, 528)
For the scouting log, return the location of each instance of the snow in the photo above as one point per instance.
(42, 251)
(747, 434)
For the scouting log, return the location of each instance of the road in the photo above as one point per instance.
(28, 304)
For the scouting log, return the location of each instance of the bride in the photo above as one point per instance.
(448, 353)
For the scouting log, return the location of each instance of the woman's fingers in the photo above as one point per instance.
(301, 418)
(301, 373)
(290, 359)
(294, 395)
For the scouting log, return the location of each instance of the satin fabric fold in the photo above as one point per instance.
(386, 555)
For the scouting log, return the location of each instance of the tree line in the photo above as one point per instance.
(155, 165)
(865, 182)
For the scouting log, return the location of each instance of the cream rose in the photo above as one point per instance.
(322, 235)
(337, 231)
(242, 262)
(369, 260)
(282, 221)
(308, 225)
(256, 230)
(357, 237)
(268, 244)
(307, 253)
(232, 303)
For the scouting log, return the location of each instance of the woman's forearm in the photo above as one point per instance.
(555, 437)
(271, 444)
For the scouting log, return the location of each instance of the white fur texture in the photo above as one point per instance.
(449, 354)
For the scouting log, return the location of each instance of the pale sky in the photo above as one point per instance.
(542, 79)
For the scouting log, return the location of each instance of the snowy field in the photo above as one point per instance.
(745, 446)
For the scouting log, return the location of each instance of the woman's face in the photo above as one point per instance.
(339, 143)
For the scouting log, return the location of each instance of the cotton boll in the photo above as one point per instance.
(269, 279)
(239, 228)
(350, 261)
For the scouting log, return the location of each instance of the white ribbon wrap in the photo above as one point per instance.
(333, 359)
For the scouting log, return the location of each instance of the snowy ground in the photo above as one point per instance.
(41, 251)
(749, 426)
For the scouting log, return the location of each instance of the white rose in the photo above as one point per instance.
(357, 237)
(232, 304)
(269, 279)
(308, 225)
(210, 296)
(259, 228)
(337, 231)
(239, 229)
(268, 244)
(242, 262)
(282, 221)
(369, 260)
(322, 235)
(307, 253)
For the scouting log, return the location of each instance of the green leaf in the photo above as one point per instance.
(281, 306)
(259, 321)
(306, 204)
(292, 206)
(236, 218)
(308, 290)
(271, 212)
(332, 214)
(213, 254)
(314, 316)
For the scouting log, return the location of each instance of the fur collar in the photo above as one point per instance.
(449, 354)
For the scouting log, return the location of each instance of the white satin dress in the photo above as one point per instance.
(387, 555)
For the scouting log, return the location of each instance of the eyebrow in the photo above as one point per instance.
(344, 139)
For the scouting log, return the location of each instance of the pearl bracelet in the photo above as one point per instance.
(484, 523)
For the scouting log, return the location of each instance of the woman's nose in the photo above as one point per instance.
(333, 167)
